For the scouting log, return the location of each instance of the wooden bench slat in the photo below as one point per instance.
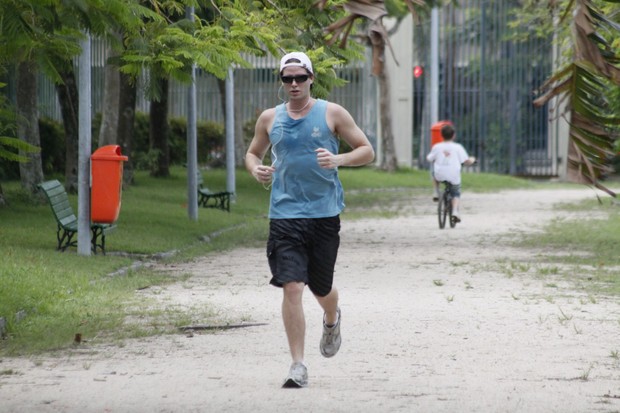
(67, 221)
(210, 199)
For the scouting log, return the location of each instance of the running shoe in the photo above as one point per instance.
(297, 376)
(331, 340)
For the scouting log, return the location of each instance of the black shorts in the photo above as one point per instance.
(304, 250)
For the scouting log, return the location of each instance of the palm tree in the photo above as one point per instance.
(584, 85)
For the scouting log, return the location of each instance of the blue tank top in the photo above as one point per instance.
(301, 188)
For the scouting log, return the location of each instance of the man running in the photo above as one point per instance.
(306, 201)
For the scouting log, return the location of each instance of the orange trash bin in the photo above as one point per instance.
(436, 131)
(106, 174)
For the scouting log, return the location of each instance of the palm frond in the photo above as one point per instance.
(583, 85)
(10, 142)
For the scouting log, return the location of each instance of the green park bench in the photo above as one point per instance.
(67, 221)
(210, 199)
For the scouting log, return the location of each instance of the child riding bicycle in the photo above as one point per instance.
(447, 157)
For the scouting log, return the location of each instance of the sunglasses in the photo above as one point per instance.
(298, 79)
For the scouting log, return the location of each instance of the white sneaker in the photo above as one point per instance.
(297, 376)
(331, 340)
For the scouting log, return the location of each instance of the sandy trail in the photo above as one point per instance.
(452, 320)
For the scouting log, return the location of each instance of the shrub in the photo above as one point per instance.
(211, 145)
(52, 146)
(52, 137)
(211, 142)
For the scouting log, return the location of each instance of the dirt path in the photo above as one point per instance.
(433, 321)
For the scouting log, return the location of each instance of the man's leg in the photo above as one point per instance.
(331, 339)
(321, 276)
(294, 319)
(329, 304)
(295, 326)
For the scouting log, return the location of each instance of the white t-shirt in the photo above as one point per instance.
(447, 158)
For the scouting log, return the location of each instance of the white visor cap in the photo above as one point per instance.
(304, 61)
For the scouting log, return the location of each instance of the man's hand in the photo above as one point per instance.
(263, 173)
(326, 159)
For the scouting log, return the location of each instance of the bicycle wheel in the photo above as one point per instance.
(442, 210)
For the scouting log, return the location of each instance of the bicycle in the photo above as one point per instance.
(444, 207)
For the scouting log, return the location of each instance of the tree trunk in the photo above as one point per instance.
(388, 159)
(111, 95)
(158, 132)
(126, 118)
(31, 172)
(221, 87)
(389, 162)
(69, 108)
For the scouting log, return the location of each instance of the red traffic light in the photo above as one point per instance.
(418, 71)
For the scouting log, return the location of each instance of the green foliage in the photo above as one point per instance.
(7, 129)
(50, 32)
(585, 83)
(211, 142)
(10, 146)
(223, 33)
(531, 18)
(140, 143)
(6, 141)
(396, 8)
(210, 135)
(614, 103)
(214, 46)
(53, 150)
(302, 28)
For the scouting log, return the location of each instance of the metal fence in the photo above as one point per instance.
(486, 88)
(259, 88)
(255, 89)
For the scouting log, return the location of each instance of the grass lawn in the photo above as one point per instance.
(47, 296)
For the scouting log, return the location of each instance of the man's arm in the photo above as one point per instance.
(343, 125)
(258, 148)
